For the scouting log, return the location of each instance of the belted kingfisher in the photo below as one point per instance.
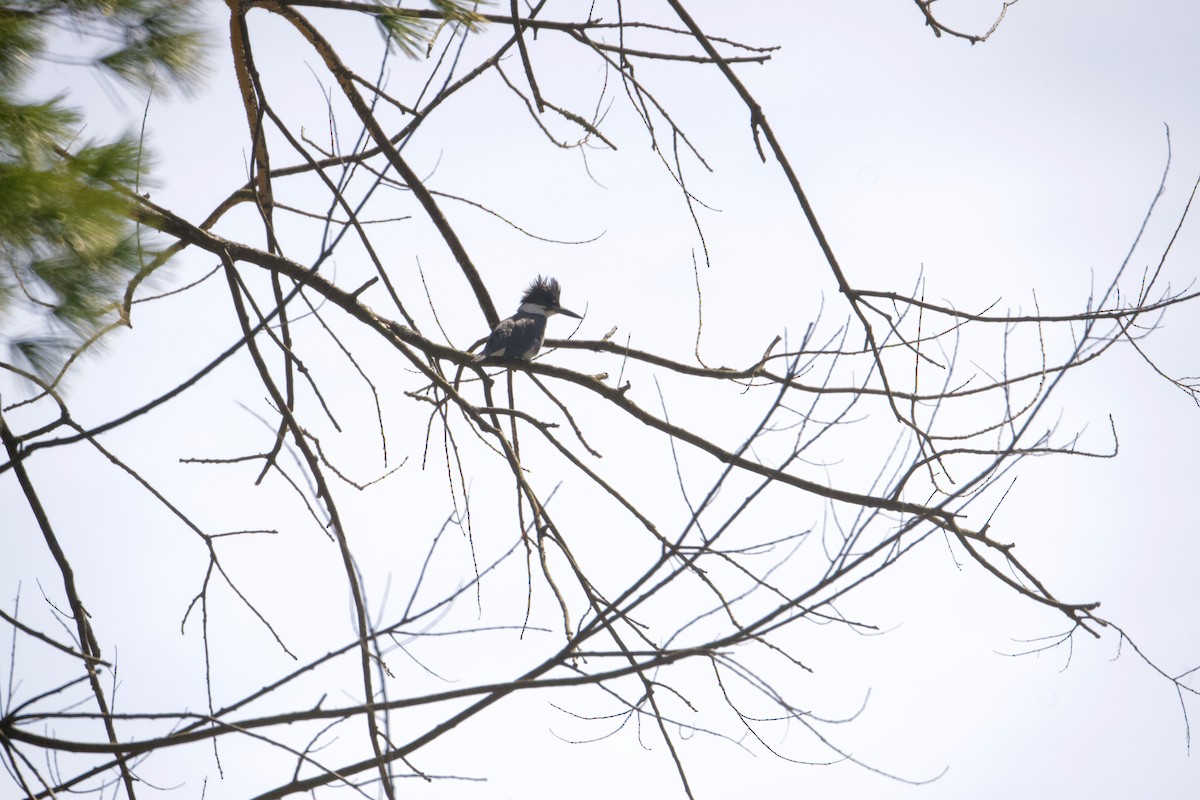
(520, 337)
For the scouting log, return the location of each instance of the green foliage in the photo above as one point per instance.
(142, 41)
(66, 230)
(156, 36)
(20, 42)
(410, 32)
(68, 245)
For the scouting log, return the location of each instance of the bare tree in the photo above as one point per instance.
(553, 573)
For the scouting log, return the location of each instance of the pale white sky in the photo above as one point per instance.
(1019, 166)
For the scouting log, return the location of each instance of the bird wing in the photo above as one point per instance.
(517, 338)
(497, 342)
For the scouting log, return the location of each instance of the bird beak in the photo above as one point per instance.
(566, 312)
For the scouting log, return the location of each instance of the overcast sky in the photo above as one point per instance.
(1018, 170)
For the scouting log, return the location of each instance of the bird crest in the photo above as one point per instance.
(543, 292)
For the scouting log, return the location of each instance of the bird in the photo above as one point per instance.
(520, 337)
